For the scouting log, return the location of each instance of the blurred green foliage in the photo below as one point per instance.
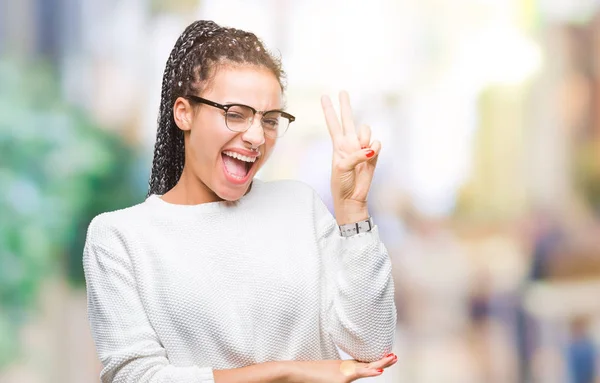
(57, 171)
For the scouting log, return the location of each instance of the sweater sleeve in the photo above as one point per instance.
(358, 290)
(127, 345)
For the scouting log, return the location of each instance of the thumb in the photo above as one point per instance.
(376, 146)
(366, 372)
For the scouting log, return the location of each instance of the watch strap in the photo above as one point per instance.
(350, 229)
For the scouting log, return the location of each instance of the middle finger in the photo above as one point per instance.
(346, 112)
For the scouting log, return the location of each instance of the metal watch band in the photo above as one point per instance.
(350, 229)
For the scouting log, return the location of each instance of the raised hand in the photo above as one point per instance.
(353, 163)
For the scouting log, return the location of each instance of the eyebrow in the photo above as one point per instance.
(282, 108)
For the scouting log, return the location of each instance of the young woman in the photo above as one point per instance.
(220, 277)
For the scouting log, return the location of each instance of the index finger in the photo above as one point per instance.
(331, 119)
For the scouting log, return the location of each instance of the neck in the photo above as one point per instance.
(190, 190)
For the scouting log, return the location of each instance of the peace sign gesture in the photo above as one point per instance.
(353, 163)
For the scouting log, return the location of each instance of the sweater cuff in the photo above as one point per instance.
(204, 375)
(361, 239)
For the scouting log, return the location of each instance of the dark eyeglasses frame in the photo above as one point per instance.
(201, 100)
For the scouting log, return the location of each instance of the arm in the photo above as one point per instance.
(127, 345)
(359, 309)
(358, 291)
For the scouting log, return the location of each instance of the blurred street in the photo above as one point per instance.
(487, 190)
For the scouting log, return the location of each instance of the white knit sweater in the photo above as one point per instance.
(175, 291)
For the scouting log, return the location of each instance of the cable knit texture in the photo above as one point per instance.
(176, 291)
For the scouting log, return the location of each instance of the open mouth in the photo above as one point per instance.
(237, 165)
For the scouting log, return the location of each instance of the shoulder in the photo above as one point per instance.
(109, 228)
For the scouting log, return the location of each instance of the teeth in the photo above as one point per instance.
(239, 156)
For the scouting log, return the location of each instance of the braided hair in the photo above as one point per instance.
(199, 51)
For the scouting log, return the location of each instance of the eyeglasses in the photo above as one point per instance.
(239, 117)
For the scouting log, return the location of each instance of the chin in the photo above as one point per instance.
(231, 194)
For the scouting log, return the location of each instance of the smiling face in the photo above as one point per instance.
(216, 158)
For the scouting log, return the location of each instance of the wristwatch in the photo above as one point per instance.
(350, 229)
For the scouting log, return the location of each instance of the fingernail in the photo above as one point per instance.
(388, 355)
(363, 147)
(380, 370)
(370, 153)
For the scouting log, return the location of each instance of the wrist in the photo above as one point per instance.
(350, 212)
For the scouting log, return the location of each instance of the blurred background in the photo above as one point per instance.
(487, 192)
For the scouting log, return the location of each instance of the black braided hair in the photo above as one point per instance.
(199, 51)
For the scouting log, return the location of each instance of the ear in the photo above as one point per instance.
(182, 112)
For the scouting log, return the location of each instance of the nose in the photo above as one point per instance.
(255, 134)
